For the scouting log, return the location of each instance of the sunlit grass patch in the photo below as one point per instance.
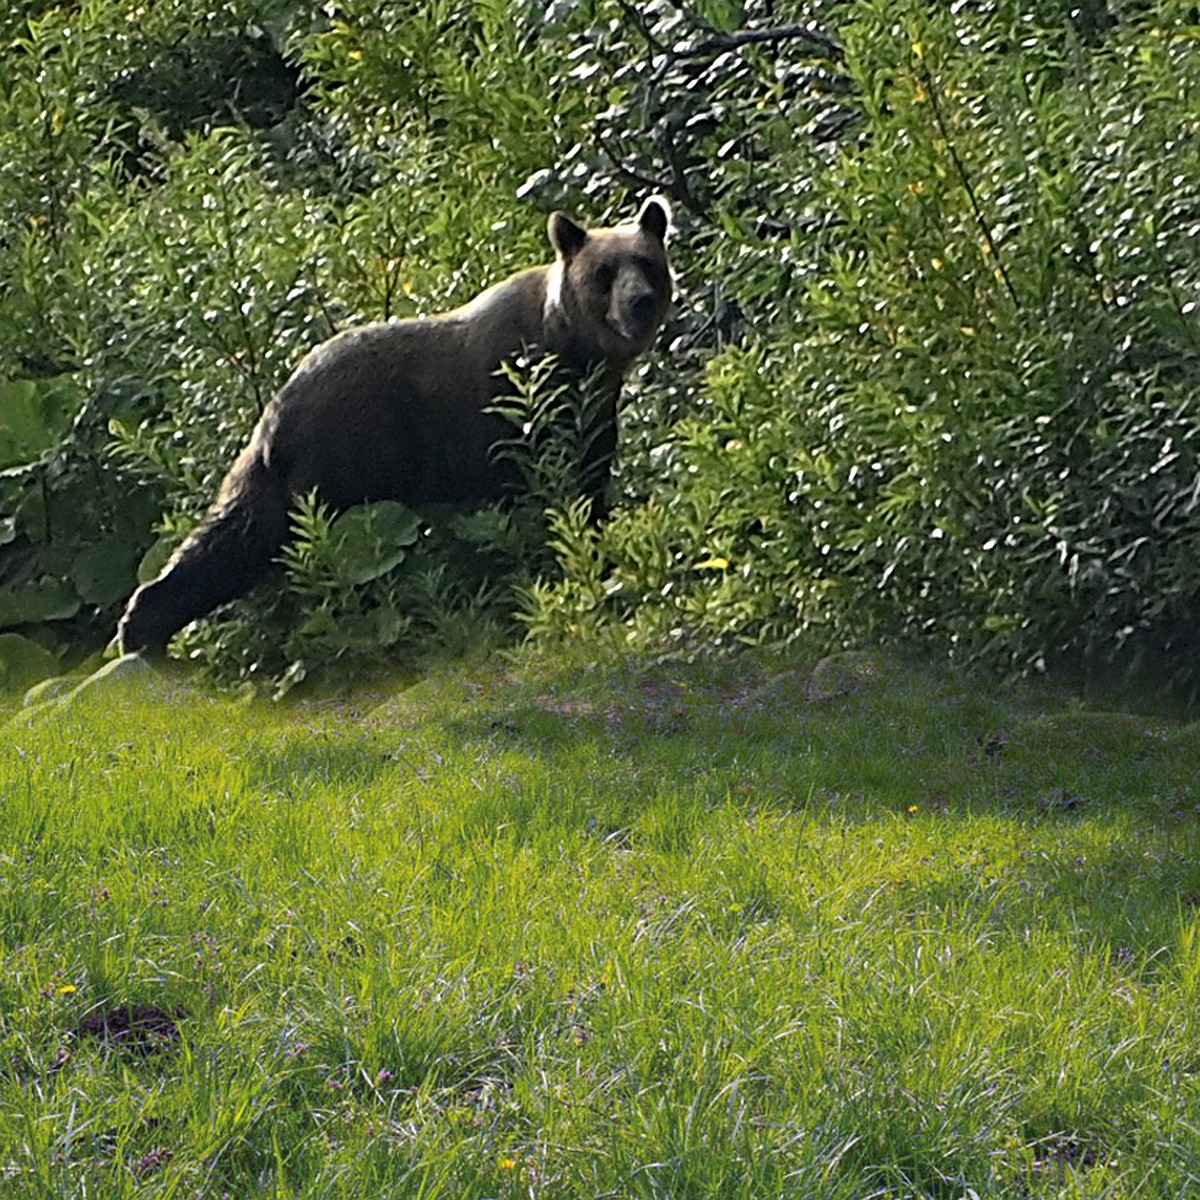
(647, 931)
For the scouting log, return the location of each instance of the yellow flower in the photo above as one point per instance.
(67, 989)
(913, 808)
(507, 1164)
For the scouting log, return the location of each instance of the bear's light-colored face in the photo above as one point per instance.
(615, 283)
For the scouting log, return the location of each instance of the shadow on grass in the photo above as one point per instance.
(1101, 805)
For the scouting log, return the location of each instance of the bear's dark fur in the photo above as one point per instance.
(397, 410)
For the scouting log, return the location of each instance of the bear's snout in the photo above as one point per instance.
(643, 307)
(635, 314)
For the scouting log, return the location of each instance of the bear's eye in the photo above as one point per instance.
(604, 276)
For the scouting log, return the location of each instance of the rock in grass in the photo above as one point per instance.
(55, 695)
(50, 689)
(840, 674)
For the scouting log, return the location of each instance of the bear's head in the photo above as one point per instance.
(611, 287)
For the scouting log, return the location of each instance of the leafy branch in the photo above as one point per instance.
(985, 229)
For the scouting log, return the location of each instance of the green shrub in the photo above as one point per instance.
(971, 411)
(175, 236)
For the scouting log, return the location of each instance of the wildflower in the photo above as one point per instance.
(67, 989)
(507, 1164)
(913, 808)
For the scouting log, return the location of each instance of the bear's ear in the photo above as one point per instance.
(655, 217)
(566, 236)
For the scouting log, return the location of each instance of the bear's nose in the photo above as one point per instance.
(642, 307)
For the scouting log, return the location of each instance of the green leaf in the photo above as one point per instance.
(104, 572)
(47, 600)
(156, 557)
(24, 662)
(34, 413)
(373, 539)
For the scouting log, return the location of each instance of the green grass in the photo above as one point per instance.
(631, 932)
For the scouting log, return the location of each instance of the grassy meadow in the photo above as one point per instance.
(726, 930)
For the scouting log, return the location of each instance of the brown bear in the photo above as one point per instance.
(398, 410)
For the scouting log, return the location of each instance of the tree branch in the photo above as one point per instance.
(721, 42)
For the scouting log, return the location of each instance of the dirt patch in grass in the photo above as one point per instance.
(140, 1029)
(1061, 1154)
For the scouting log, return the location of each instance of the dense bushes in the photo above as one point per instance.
(969, 406)
(165, 262)
(934, 369)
